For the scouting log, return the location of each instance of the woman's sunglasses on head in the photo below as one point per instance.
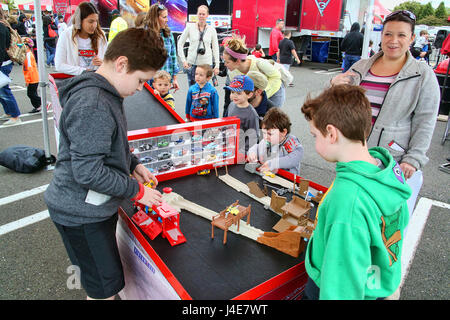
(406, 13)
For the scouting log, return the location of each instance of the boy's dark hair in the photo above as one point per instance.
(344, 106)
(287, 33)
(257, 46)
(207, 68)
(276, 119)
(143, 48)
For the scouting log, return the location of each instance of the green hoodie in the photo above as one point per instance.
(363, 213)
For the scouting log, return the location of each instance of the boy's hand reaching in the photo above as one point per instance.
(252, 157)
(151, 197)
(143, 175)
(264, 167)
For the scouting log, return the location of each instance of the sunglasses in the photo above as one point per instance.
(406, 13)
(161, 7)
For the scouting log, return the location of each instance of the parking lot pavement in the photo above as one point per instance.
(34, 263)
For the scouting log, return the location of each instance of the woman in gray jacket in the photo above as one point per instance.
(404, 95)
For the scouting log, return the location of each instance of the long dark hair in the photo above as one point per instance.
(85, 9)
(151, 19)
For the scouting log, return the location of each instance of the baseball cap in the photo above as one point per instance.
(259, 80)
(241, 83)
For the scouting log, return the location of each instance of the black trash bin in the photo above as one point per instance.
(441, 74)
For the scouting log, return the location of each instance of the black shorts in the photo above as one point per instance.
(93, 248)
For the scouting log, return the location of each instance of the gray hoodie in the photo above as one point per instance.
(408, 113)
(92, 173)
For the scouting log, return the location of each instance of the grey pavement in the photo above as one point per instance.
(33, 261)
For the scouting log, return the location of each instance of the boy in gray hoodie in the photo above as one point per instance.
(95, 170)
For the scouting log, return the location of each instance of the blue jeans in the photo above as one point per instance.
(6, 97)
(50, 54)
(349, 60)
(279, 97)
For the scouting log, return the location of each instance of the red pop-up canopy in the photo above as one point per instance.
(46, 5)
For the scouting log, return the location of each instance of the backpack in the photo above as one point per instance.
(23, 159)
(17, 50)
(286, 76)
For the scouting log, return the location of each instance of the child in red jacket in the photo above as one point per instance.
(31, 75)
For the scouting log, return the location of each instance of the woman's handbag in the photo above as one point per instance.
(4, 79)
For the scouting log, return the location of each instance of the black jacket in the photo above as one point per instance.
(353, 41)
(5, 41)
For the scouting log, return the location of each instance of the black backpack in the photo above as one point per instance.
(23, 159)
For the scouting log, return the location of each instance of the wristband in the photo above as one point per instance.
(140, 193)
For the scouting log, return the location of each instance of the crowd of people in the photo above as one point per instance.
(375, 121)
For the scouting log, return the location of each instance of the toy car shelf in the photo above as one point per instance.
(182, 149)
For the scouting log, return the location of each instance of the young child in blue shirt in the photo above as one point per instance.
(202, 100)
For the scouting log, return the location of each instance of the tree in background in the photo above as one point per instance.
(441, 11)
(425, 13)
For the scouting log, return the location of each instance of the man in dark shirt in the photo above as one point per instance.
(286, 52)
(352, 46)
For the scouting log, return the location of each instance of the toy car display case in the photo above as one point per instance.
(186, 148)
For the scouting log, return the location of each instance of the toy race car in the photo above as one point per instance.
(145, 147)
(164, 155)
(203, 172)
(269, 174)
(163, 143)
(146, 159)
(164, 167)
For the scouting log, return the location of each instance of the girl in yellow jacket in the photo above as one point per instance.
(31, 75)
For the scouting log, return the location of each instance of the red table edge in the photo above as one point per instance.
(173, 281)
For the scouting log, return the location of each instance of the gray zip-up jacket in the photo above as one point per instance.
(287, 155)
(92, 173)
(409, 111)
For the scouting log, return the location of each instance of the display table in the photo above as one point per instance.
(205, 268)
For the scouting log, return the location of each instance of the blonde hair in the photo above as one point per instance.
(236, 44)
(203, 7)
(162, 74)
(139, 21)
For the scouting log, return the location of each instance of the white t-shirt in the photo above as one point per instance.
(61, 27)
(85, 53)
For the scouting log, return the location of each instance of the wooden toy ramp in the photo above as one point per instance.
(208, 269)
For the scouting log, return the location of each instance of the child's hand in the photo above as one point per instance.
(156, 91)
(151, 197)
(264, 167)
(252, 157)
(143, 175)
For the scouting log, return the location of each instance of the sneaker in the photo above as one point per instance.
(12, 121)
(291, 85)
(5, 117)
(35, 110)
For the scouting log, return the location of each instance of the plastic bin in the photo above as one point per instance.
(440, 72)
(319, 52)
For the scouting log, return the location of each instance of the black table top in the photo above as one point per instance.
(205, 267)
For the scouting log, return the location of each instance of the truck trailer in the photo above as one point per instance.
(309, 20)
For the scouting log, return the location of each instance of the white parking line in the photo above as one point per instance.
(415, 229)
(4, 229)
(24, 122)
(23, 195)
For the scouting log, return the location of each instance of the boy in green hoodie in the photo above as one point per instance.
(355, 250)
